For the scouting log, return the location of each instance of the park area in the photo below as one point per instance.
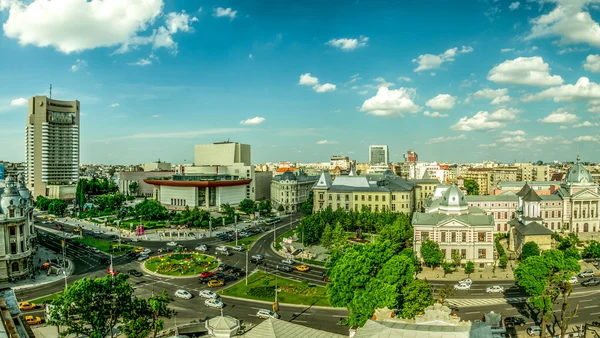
(261, 286)
(181, 264)
(105, 246)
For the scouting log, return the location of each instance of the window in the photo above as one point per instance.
(337, 197)
(443, 236)
(552, 225)
(362, 198)
(393, 207)
(498, 227)
(356, 197)
(376, 207)
(583, 213)
(453, 234)
(585, 227)
(393, 197)
(424, 235)
(12, 230)
(453, 252)
(463, 236)
(376, 198)
(15, 267)
(559, 213)
(505, 214)
(347, 198)
(13, 248)
(320, 195)
(383, 198)
(481, 253)
(369, 198)
(546, 213)
(329, 197)
(463, 253)
(444, 253)
(321, 205)
(505, 227)
(481, 237)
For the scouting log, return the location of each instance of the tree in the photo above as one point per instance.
(151, 210)
(227, 210)
(42, 203)
(456, 258)
(307, 207)
(469, 268)
(247, 206)
(572, 252)
(146, 316)
(399, 233)
(416, 296)
(444, 292)
(472, 187)
(529, 249)
(592, 250)
(327, 237)
(447, 267)
(57, 207)
(134, 188)
(92, 307)
(265, 207)
(339, 239)
(503, 262)
(431, 253)
(280, 208)
(80, 193)
(545, 278)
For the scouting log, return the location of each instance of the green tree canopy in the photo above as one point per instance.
(265, 207)
(431, 253)
(227, 210)
(151, 210)
(529, 249)
(57, 207)
(146, 316)
(472, 187)
(80, 193)
(247, 206)
(416, 296)
(134, 188)
(592, 250)
(399, 233)
(327, 237)
(469, 268)
(307, 207)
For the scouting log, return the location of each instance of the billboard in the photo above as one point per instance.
(1, 171)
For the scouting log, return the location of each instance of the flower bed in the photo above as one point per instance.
(181, 264)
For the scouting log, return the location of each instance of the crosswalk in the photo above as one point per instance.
(461, 303)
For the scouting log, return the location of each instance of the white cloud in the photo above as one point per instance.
(572, 50)
(514, 6)
(79, 64)
(363, 92)
(114, 105)
(442, 102)
(430, 61)
(563, 127)
(20, 102)
(587, 138)
(77, 25)
(568, 22)
(531, 71)
(322, 88)
(479, 122)
(497, 95)
(595, 109)
(560, 116)
(141, 62)
(586, 124)
(177, 22)
(500, 99)
(592, 63)
(308, 80)
(348, 44)
(155, 116)
(434, 114)
(505, 114)
(353, 79)
(404, 78)
(583, 90)
(391, 102)
(381, 82)
(506, 50)
(489, 145)
(550, 139)
(220, 12)
(253, 121)
(513, 132)
(327, 142)
(512, 139)
(446, 139)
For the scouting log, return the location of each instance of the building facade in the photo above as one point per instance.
(17, 230)
(125, 178)
(379, 154)
(52, 146)
(290, 190)
(483, 177)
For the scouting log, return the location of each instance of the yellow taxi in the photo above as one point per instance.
(50, 218)
(31, 320)
(44, 217)
(302, 268)
(214, 283)
(26, 306)
(77, 230)
(138, 250)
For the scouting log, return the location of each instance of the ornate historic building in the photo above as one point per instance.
(290, 190)
(17, 231)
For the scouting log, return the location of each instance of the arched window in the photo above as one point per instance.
(585, 227)
(15, 267)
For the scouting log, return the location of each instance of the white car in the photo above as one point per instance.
(172, 244)
(237, 248)
(462, 287)
(146, 252)
(466, 281)
(214, 303)
(535, 330)
(573, 280)
(287, 261)
(221, 248)
(266, 314)
(183, 294)
(96, 250)
(208, 294)
(587, 273)
(495, 289)
(201, 248)
(143, 258)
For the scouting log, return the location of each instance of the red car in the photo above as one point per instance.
(112, 271)
(207, 274)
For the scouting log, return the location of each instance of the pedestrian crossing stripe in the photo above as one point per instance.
(460, 303)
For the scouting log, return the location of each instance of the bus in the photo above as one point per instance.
(272, 220)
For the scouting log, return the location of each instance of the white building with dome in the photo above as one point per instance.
(457, 227)
(17, 229)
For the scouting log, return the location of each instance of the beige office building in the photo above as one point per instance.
(52, 147)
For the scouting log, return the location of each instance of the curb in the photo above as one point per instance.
(156, 274)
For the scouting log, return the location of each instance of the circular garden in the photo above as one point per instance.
(181, 264)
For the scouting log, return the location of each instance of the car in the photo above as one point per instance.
(514, 321)
(146, 252)
(239, 274)
(25, 306)
(258, 257)
(214, 303)
(586, 274)
(224, 253)
(112, 271)
(97, 232)
(219, 275)
(535, 330)
(229, 278)
(255, 261)
(237, 248)
(224, 267)
(31, 320)
(302, 268)
(466, 281)
(287, 261)
(207, 274)
(284, 268)
(96, 250)
(463, 286)
(135, 273)
(215, 283)
(495, 289)
(183, 294)
(207, 294)
(266, 314)
(201, 248)
(573, 280)
(172, 243)
(221, 248)
(143, 258)
(591, 282)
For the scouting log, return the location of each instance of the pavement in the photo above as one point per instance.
(486, 273)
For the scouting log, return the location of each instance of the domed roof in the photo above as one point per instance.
(578, 174)
(23, 191)
(388, 173)
(10, 196)
(288, 176)
(453, 197)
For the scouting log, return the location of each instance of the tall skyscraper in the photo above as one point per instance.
(379, 154)
(52, 153)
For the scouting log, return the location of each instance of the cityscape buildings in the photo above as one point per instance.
(379, 154)
(290, 190)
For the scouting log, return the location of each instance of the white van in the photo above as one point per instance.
(221, 248)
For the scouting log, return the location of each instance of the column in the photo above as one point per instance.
(207, 198)
(18, 231)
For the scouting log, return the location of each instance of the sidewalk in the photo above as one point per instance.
(480, 274)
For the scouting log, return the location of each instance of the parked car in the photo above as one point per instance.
(463, 286)
(224, 267)
(591, 282)
(466, 281)
(229, 278)
(214, 303)
(172, 243)
(302, 268)
(183, 294)
(207, 274)
(207, 294)
(135, 273)
(284, 268)
(201, 248)
(215, 283)
(146, 252)
(586, 274)
(287, 261)
(143, 258)
(221, 248)
(258, 257)
(266, 314)
(495, 289)
(237, 248)
(535, 330)
(225, 253)
(219, 275)
(25, 306)
(573, 280)
(31, 320)
(514, 321)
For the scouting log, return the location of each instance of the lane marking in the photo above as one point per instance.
(591, 306)
(469, 313)
(596, 313)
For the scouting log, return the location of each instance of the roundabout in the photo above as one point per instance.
(181, 264)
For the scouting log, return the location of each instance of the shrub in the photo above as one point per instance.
(262, 292)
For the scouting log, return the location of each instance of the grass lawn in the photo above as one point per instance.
(104, 245)
(261, 286)
(288, 233)
(125, 224)
(45, 299)
(247, 242)
(181, 264)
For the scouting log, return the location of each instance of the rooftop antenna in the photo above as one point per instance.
(51, 90)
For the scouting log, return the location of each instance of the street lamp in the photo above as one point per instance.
(236, 232)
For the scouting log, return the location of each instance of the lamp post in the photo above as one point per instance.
(64, 252)
(210, 228)
(236, 232)
(246, 267)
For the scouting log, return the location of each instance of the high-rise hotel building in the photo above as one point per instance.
(52, 154)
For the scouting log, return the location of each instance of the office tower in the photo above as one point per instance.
(52, 147)
(379, 154)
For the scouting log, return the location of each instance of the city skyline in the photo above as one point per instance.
(515, 81)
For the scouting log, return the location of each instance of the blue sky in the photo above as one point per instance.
(456, 81)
